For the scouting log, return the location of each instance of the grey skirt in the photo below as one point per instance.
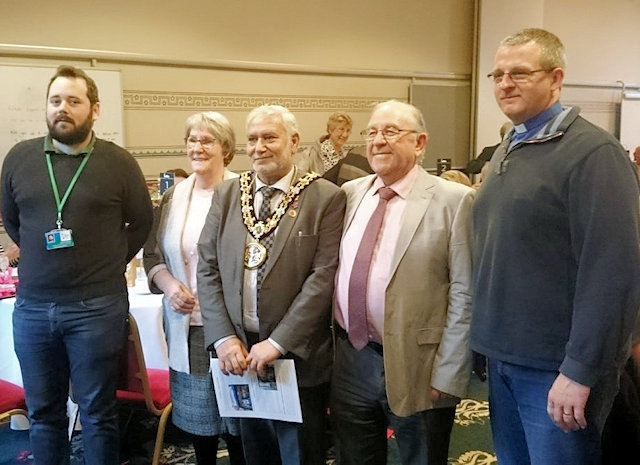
(194, 400)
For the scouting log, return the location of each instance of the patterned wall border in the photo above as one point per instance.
(179, 151)
(156, 151)
(150, 100)
(188, 101)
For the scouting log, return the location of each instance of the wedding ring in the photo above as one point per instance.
(566, 413)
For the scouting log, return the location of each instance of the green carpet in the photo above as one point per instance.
(471, 437)
(470, 441)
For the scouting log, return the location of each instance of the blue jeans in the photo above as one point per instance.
(78, 342)
(523, 433)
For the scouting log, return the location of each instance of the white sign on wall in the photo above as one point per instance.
(23, 103)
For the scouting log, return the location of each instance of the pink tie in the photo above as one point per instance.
(358, 332)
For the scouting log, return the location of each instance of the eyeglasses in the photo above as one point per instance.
(518, 76)
(390, 134)
(207, 143)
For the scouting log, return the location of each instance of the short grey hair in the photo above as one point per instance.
(412, 112)
(286, 117)
(219, 127)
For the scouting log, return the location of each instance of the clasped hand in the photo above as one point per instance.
(179, 296)
(234, 357)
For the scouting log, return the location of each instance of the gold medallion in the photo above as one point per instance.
(260, 228)
(255, 255)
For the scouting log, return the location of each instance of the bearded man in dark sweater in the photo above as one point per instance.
(79, 210)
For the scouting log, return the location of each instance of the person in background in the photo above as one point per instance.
(76, 229)
(353, 165)
(402, 355)
(621, 435)
(636, 160)
(170, 260)
(475, 166)
(556, 264)
(328, 149)
(456, 176)
(484, 172)
(268, 256)
(179, 174)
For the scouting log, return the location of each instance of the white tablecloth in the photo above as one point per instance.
(145, 307)
(9, 367)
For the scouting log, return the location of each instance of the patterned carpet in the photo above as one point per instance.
(471, 437)
(470, 442)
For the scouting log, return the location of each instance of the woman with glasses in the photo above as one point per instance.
(170, 260)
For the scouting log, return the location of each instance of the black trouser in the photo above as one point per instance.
(360, 414)
(273, 442)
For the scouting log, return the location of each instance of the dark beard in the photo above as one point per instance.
(71, 137)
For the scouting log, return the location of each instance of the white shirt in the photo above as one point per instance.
(250, 315)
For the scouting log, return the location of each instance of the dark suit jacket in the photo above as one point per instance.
(475, 166)
(297, 290)
(354, 165)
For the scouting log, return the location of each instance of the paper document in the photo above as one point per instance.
(274, 396)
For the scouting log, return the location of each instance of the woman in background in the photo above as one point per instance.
(170, 260)
(328, 149)
(456, 176)
(179, 175)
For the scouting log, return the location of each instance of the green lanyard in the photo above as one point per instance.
(54, 184)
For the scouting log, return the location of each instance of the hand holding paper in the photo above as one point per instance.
(273, 395)
(232, 356)
(261, 355)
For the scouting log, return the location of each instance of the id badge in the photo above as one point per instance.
(58, 239)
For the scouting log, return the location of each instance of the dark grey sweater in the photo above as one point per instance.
(556, 252)
(109, 212)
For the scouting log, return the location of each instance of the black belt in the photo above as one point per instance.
(341, 333)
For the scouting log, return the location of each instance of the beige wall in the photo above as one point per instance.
(428, 36)
(602, 38)
(315, 57)
(602, 44)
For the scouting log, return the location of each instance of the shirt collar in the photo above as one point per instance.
(532, 125)
(402, 186)
(50, 148)
(283, 183)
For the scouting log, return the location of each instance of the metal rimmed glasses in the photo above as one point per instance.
(518, 76)
(390, 134)
(207, 143)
